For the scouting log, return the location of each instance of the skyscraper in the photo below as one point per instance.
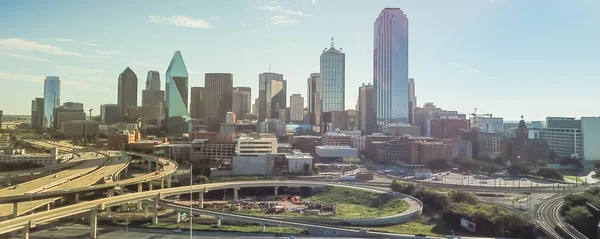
(152, 95)
(219, 87)
(127, 92)
(51, 99)
(109, 113)
(241, 104)
(153, 81)
(366, 109)
(37, 113)
(333, 79)
(390, 67)
(177, 117)
(296, 108)
(272, 95)
(197, 103)
(412, 100)
(314, 102)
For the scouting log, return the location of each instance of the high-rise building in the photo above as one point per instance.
(177, 117)
(272, 94)
(197, 104)
(590, 126)
(333, 79)
(109, 113)
(63, 114)
(390, 67)
(127, 92)
(219, 87)
(153, 81)
(255, 106)
(296, 108)
(1, 118)
(51, 99)
(73, 105)
(314, 102)
(241, 102)
(37, 113)
(412, 100)
(366, 109)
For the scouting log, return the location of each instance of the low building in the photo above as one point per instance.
(254, 144)
(284, 148)
(422, 174)
(79, 128)
(413, 151)
(122, 139)
(462, 149)
(358, 142)
(212, 154)
(306, 143)
(401, 130)
(178, 152)
(41, 159)
(146, 145)
(299, 162)
(333, 138)
(250, 165)
(64, 114)
(335, 153)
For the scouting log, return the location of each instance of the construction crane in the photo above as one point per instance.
(475, 116)
(93, 110)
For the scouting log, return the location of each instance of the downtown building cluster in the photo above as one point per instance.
(385, 124)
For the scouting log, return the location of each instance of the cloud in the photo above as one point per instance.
(215, 17)
(280, 20)
(279, 9)
(313, 2)
(80, 84)
(86, 86)
(89, 44)
(58, 39)
(179, 20)
(20, 77)
(24, 57)
(465, 67)
(78, 70)
(16, 44)
(109, 52)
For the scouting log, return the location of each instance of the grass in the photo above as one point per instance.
(423, 225)
(354, 160)
(226, 228)
(575, 178)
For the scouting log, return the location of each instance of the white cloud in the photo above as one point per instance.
(78, 70)
(279, 9)
(280, 20)
(80, 84)
(59, 39)
(465, 67)
(86, 86)
(313, 2)
(16, 44)
(24, 57)
(179, 20)
(20, 77)
(109, 52)
(89, 44)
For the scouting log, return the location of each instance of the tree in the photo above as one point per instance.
(549, 173)
(491, 168)
(518, 169)
(578, 216)
(462, 197)
(552, 156)
(306, 169)
(438, 164)
(499, 161)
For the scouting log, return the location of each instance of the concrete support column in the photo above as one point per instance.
(93, 223)
(140, 188)
(155, 211)
(25, 232)
(110, 193)
(178, 217)
(149, 166)
(15, 210)
(150, 185)
(124, 207)
(48, 207)
(162, 183)
(108, 210)
(126, 170)
(169, 177)
(139, 205)
(76, 197)
(218, 222)
(276, 191)
(146, 210)
(235, 194)
(262, 229)
(201, 199)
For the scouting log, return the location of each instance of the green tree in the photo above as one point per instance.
(518, 169)
(549, 173)
(463, 197)
(578, 216)
(438, 164)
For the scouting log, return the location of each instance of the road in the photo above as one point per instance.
(548, 218)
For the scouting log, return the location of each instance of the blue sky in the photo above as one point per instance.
(510, 58)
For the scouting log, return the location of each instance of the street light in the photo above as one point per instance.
(191, 199)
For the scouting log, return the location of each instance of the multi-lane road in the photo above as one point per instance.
(548, 218)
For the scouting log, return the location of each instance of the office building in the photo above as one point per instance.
(333, 79)
(352, 120)
(390, 71)
(197, 104)
(177, 117)
(423, 115)
(400, 130)
(212, 154)
(590, 128)
(127, 91)
(51, 99)
(284, 115)
(562, 122)
(447, 128)
(272, 93)
(335, 138)
(296, 108)
(230, 118)
(412, 100)
(109, 113)
(1, 118)
(255, 144)
(153, 81)
(73, 105)
(255, 106)
(339, 120)
(242, 101)
(314, 100)
(64, 114)
(37, 113)
(488, 124)
(153, 98)
(366, 109)
(79, 128)
(218, 92)
(334, 153)
(564, 137)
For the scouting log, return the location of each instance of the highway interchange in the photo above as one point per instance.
(94, 167)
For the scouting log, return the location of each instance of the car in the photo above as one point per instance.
(15, 187)
(66, 189)
(157, 173)
(177, 230)
(483, 182)
(279, 235)
(363, 230)
(420, 235)
(55, 228)
(523, 179)
(447, 173)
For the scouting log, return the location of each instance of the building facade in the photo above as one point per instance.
(63, 114)
(390, 71)
(333, 138)
(412, 100)
(109, 114)
(37, 113)
(153, 81)
(219, 87)
(272, 94)
(51, 99)
(399, 130)
(366, 108)
(242, 101)
(197, 104)
(127, 91)
(488, 124)
(447, 128)
(314, 100)
(296, 108)
(590, 128)
(333, 79)
(255, 144)
(177, 117)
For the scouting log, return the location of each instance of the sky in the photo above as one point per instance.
(535, 58)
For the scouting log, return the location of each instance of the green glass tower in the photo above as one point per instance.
(177, 116)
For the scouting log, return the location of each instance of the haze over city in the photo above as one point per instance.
(509, 58)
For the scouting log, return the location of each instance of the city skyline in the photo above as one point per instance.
(470, 50)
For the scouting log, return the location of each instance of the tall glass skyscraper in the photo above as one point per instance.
(177, 117)
(390, 67)
(51, 99)
(333, 79)
(272, 95)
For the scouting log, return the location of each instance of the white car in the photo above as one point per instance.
(177, 230)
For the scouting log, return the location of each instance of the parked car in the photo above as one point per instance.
(177, 230)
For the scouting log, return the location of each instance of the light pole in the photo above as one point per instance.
(191, 199)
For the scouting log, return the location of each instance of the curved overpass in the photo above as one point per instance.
(28, 221)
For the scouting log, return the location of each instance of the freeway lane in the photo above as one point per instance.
(549, 219)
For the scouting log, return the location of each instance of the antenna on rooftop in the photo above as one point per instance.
(269, 67)
(332, 45)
